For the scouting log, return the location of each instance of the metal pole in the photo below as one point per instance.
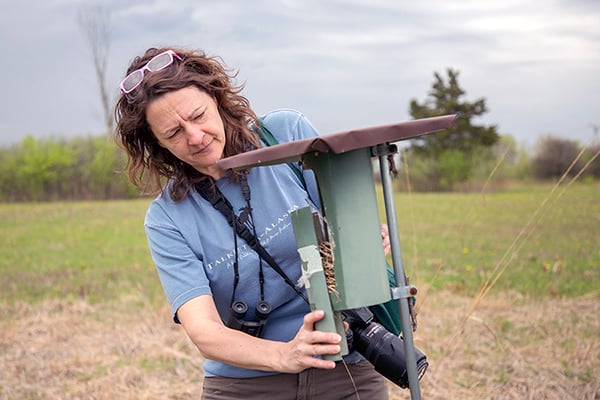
(390, 210)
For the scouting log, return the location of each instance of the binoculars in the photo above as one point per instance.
(251, 327)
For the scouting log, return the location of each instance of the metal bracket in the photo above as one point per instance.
(383, 149)
(403, 292)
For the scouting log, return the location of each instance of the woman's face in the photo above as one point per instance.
(187, 123)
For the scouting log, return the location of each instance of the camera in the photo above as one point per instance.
(380, 347)
(254, 327)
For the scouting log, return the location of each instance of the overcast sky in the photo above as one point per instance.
(344, 64)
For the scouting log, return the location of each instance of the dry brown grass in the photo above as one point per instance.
(509, 348)
(73, 350)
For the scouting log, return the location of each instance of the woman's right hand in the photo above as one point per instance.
(302, 352)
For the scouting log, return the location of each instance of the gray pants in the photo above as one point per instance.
(320, 384)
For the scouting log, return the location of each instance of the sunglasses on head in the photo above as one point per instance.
(156, 63)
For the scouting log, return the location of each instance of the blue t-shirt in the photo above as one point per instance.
(192, 244)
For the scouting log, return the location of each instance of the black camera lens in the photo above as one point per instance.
(263, 309)
(239, 309)
(386, 352)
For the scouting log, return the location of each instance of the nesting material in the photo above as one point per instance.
(326, 252)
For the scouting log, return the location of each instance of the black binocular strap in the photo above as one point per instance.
(211, 193)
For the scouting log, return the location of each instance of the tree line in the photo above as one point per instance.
(58, 169)
(504, 162)
(92, 168)
(463, 157)
(467, 154)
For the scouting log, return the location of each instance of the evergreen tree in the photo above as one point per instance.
(446, 97)
(447, 158)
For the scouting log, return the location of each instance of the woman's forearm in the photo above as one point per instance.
(217, 342)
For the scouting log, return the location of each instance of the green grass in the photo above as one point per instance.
(98, 250)
(94, 250)
(537, 240)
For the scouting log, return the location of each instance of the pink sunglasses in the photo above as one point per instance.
(158, 62)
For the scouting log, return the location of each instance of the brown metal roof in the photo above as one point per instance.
(338, 142)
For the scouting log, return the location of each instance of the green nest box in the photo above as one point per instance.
(349, 203)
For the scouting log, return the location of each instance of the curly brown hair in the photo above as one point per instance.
(149, 165)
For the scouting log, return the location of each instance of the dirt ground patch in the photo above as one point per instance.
(509, 348)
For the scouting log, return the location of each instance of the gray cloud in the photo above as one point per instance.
(343, 63)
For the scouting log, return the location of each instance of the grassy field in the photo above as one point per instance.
(82, 314)
(538, 242)
(90, 250)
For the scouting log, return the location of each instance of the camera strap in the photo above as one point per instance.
(269, 139)
(211, 193)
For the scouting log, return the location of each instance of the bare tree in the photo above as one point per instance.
(94, 22)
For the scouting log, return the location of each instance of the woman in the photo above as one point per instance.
(179, 113)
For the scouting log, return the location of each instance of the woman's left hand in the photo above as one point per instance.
(385, 238)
